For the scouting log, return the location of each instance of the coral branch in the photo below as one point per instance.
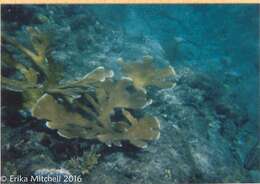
(145, 74)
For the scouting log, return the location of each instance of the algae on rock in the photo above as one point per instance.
(84, 164)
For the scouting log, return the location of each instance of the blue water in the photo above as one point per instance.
(217, 39)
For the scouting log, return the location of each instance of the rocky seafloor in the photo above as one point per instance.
(206, 135)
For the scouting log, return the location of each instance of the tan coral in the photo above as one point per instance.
(146, 74)
(115, 94)
(138, 132)
(98, 74)
(40, 43)
(85, 108)
(29, 74)
(43, 75)
(98, 123)
(32, 71)
(69, 124)
(74, 89)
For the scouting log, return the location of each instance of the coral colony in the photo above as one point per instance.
(86, 108)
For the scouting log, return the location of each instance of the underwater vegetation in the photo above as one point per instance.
(84, 164)
(97, 106)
